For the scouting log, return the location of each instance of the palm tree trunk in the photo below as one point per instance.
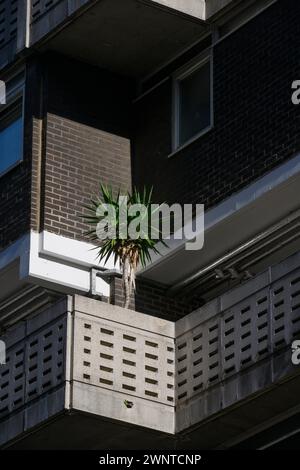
(126, 282)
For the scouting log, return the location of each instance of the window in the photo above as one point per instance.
(192, 103)
(11, 126)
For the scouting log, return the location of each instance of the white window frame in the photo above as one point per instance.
(179, 76)
(13, 95)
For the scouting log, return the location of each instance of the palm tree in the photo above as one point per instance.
(110, 231)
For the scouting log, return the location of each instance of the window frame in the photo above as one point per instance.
(15, 94)
(179, 76)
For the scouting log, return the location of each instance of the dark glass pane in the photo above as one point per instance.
(11, 144)
(194, 105)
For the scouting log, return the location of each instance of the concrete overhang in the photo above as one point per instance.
(51, 261)
(130, 37)
(202, 9)
(245, 220)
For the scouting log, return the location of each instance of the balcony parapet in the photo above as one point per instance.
(87, 356)
(14, 29)
(46, 15)
(90, 356)
(239, 344)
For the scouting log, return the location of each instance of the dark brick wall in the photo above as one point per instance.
(87, 130)
(77, 133)
(35, 124)
(79, 126)
(256, 125)
(15, 185)
(14, 204)
(153, 299)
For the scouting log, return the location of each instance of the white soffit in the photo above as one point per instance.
(55, 262)
(64, 262)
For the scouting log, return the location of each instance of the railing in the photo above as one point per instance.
(8, 21)
(122, 356)
(241, 342)
(90, 356)
(40, 7)
(128, 360)
(232, 340)
(98, 358)
(13, 15)
(24, 22)
(35, 360)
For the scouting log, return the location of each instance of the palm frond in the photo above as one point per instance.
(136, 251)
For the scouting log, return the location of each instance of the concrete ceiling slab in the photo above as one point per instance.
(127, 36)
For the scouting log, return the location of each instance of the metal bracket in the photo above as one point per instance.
(107, 275)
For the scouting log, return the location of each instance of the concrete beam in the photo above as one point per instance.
(212, 7)
(194, 8)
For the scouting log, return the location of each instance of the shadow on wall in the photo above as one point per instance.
(87, 140)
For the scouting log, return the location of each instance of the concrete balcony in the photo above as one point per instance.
(13, 30)
(133, 27)
(140, 381)
(239, 346)
(86, 356)
(156, 29)
(130, 37)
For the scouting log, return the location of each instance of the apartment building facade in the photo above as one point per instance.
(194, 99)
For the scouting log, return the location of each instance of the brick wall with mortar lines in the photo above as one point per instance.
(153, 299)
(256, 126)
(36, 129)
(15, 185)
(86, 141)
(76, 134)
(15, 203)
(77, 159)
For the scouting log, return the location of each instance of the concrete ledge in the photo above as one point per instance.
(212, 7)
(238, 294)
(259, 379)
(104, 403)
(177, 376)
(33, 415)
(194, 8)
(123, 316)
